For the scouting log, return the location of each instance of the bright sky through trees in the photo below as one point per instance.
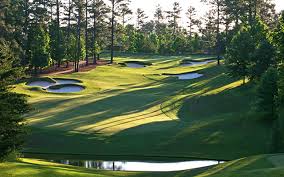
(149, 6)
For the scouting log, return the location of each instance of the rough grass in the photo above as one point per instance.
(135, 113)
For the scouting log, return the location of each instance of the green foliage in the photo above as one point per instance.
(39, 46)
(267, 93)
(281, 85)
(278, 38)
(238, 53)
(71, 51)
(179, 44)
(263, 57)
(97, 48)
(82, 51)
(250, 52)
(57, 48)
(12, 105)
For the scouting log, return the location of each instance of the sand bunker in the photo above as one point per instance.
(42, 84)
(59, 86)
(135, 65)
(65, 89)
(186, 76)
(195, 63)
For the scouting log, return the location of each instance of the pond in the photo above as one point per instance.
(140, 166)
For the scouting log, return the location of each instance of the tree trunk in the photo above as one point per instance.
(123, 20)
(112, 33)
(218, 34)
(94, 36)
(78, 42)
(58, 30)
(69, 22)
(86, 34)
(25, 61)
(51, 10)
(255, 8)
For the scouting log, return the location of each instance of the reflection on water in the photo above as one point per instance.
(139, 166)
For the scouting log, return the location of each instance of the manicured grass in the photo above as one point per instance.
(255, 166)
(47, 79)
(38, 168)
(133, 113)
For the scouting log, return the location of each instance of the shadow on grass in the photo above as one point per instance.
(200, 138)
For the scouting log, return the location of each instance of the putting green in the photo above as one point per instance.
(141, 112)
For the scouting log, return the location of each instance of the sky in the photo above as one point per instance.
(149, 6)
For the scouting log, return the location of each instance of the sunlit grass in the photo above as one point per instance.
(255, 166)
(143, 112)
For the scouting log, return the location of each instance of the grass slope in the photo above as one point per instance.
(39, 168)
(140, 112)
(256, 166)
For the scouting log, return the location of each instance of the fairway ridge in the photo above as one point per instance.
(141, 111)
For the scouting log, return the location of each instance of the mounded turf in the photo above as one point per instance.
(255, 166)
(131, 114)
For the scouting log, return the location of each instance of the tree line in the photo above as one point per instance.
(51, 32)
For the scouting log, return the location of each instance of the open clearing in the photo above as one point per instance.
(135, 114)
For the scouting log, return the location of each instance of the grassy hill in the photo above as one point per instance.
(133, 114)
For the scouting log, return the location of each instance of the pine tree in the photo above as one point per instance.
(278, 38)
(39, 47)
(238, 54)
(12, 105)
(115, 8)
(79, 8)
(125, 11)
(267, 93)
(218, 6)
(173, 17)
(159, 18)
(98, 13)
(192, 21)
(141, 17)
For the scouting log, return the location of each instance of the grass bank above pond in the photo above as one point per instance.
(136, 112)
(39, 168)
(256, 166)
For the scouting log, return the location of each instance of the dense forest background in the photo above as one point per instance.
(49, 32)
